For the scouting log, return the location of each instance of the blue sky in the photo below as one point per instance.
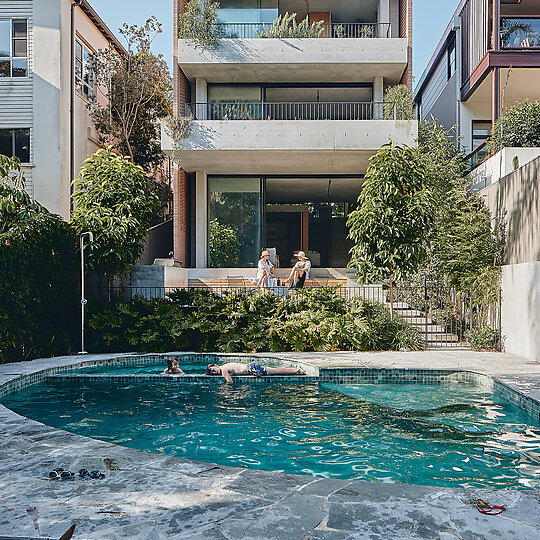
(430, 20)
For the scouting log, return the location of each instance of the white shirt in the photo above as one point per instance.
(262, 266)
(304, 265)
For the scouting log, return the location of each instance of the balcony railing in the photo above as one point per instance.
(477, 155)
(328, 30)
(244, 110)
(520, 32)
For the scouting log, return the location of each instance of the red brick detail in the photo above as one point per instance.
(405, 30)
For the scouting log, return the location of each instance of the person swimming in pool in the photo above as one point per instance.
(227, 371)
(172, 367)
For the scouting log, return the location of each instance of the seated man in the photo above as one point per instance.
(300, 272)
(172, 367)
(253, 368)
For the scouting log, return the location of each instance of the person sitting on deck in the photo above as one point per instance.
(300, 272)
(265, 270)
(227, 371)
(172, 367)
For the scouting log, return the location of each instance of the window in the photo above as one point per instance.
(84, 78)
(481, 131)
(15, 142)
(13, 48)
(451, 56)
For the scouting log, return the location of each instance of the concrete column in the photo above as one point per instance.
(201, 219)
(383, 12)
(201, 98)
(378, 96)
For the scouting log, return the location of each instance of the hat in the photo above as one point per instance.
(301, 255)
(264, 253)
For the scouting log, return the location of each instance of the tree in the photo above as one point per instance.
(137, 91)
(199, 23)
(520, 126)
(38, 277)
(114, 200)
(398, 103)
(392, 225)
(224, 246)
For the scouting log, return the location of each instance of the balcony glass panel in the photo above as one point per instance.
(520, 32)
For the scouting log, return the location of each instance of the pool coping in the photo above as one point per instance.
(320, 505)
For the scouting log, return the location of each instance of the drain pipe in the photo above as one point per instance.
(74, 3)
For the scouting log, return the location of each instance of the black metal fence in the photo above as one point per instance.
(328, 30)
(444, 317)
(315, 110)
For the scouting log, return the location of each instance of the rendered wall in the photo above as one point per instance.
(521, 309)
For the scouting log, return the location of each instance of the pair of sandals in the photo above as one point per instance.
(57, 473)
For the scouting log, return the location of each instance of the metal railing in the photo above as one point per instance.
(249, 110)
(520, 32)
(442, 316)
(328, 30)
(480, 153)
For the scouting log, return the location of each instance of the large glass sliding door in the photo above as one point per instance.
(234, 221)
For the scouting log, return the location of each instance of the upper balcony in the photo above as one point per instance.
(357, 41)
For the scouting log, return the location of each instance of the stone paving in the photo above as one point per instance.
(155, 496)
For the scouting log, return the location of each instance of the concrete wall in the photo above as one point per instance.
(521, 309)
(517, 196)
(299, 60)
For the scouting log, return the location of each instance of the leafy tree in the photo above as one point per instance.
(398, 103)
(520, 126)
(114, 200)
(137, 91)
(224, 246)
(199, 23)
(38, 277)
(391, 226)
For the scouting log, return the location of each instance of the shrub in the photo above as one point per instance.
(483, 338)
(38, 277)
(199, 23)
(314, 320)
(400, 97)
(224, 247)
(285, 26)
(520, 126)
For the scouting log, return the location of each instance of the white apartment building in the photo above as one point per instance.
(283, 129)
(45, 84)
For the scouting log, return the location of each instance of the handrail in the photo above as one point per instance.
(477, 155)
(314, 110)
(328, 30)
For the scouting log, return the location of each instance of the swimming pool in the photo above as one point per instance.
(456, 435)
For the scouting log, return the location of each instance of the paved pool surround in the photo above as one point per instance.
(155, 496)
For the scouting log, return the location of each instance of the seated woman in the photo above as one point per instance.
(265, 270)
(172, 367)
(300, 272)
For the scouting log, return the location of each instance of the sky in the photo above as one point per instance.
(430, 18)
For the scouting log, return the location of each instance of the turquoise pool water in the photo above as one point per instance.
(190, 367)
(433, 435)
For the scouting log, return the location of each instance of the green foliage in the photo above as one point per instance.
(178, 128)
(38, 278)
(199, 23)
(398, 103)
(10, 171)
(224, 246)
(285, 26)
(137, 91)
(392, 224)
(317, 319)
(520, 126)
(483, 338)
(115, 201)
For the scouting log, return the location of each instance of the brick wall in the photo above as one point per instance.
(180, 197)
(405, 30)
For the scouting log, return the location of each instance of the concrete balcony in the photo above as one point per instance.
(287, 146)
(312, 60)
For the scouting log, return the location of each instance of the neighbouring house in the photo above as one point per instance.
(45, 85)
(486, 58)
(283, 129)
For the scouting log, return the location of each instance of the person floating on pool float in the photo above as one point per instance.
(227, 371)
(172, 367)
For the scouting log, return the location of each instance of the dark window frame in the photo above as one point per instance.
(14, 133)
(451, 59)
(474, 138)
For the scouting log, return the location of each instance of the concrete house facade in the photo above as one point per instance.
(283, 129)
(45, 85)
(489, 52)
